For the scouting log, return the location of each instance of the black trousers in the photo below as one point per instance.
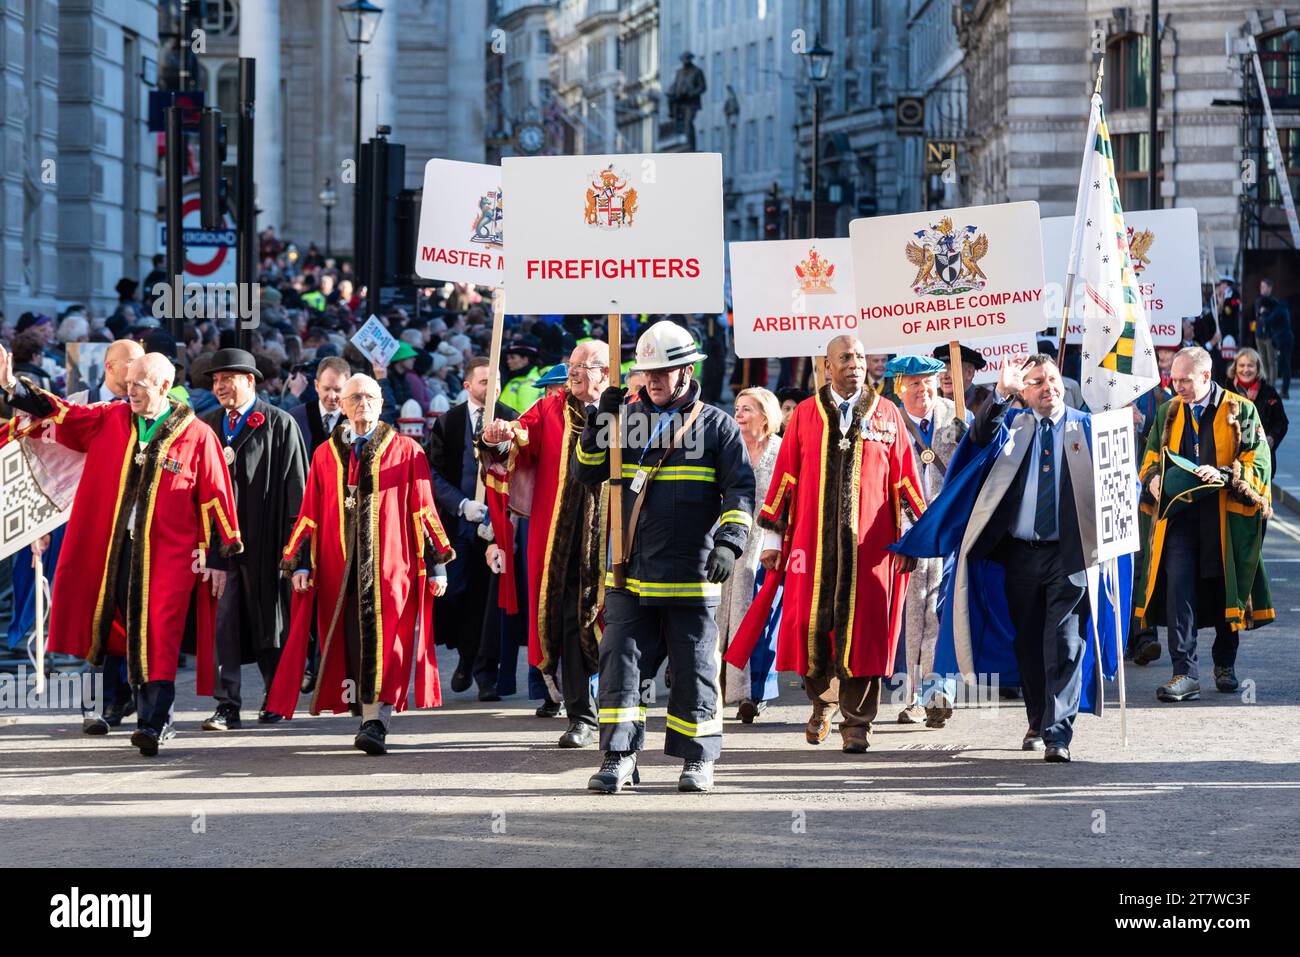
(1181, 567)
(231, 626)
(694, 663)
(574, 680)
(1044, 606)
(154, 700)
(464, 617)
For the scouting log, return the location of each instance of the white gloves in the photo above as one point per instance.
(473, 511)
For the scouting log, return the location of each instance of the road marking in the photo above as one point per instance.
(1004, 784)
(1286, 528)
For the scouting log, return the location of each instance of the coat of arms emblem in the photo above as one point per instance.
(814, 274)
(947, 259)
(487, 220)
(1139, 244)
(611, 204)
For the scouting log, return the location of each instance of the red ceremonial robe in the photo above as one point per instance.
(182, 497)
(395, 520)
(838, 509)
(543, 443)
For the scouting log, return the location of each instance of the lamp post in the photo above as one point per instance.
(818, 62)
(329, 198)
(360, 21)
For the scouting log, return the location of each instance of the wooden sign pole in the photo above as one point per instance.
(615, 336)
(958, 379)
(494, 375)
(38, 567)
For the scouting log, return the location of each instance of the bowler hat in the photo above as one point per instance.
(967, 355)
(234, 360)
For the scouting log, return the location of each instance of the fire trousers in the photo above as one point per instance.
(691, 635)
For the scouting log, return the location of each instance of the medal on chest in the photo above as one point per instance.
(845, 444)
(229, 454)
(927, 456)
(139, 457)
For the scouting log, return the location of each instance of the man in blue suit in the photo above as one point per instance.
(1033, 516)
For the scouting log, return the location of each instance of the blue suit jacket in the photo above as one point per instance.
(942, 529)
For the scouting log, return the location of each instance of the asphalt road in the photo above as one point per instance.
(1214, 782)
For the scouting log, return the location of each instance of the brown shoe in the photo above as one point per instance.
(937, 715)
(856, 740)
(912, 714)
(818, 728)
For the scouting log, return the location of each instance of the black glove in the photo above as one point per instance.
(720, 563)
(611, 400)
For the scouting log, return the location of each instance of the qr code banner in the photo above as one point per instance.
(26, 513)
(1114, 462)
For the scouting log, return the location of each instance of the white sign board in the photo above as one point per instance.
(995, 351)
(1164, 247)
(636, 232)
(1115, 488)
(792, 297)
(85, 362)
(375, 342)
(932, 277)
(460, 238)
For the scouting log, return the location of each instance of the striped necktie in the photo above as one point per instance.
(1045, 510)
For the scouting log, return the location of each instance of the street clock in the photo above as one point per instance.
(530, 137)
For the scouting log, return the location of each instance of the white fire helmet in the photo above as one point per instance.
(666, 345)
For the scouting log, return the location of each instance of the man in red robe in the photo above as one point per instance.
(566, 568)
(365, 538)
(156, 498)
(843, 476)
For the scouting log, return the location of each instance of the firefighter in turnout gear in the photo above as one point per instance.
(688, 494)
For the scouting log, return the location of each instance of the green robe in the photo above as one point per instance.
(1241, 452)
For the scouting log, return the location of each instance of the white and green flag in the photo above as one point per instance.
(1119, 360)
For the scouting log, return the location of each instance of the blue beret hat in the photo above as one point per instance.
(913, 365)
(557, 375)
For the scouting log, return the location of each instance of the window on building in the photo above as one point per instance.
(769, 143)
(1288, 142)
(1128, 72)
(719, 89)
(751, 68)
(544, 42)
(1132, 169)
(630, 57)
(770, 60)
(751, 146)
(1280, 59)
(596, 57)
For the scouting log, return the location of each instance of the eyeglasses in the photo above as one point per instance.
(587, 369)
(360, 398)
